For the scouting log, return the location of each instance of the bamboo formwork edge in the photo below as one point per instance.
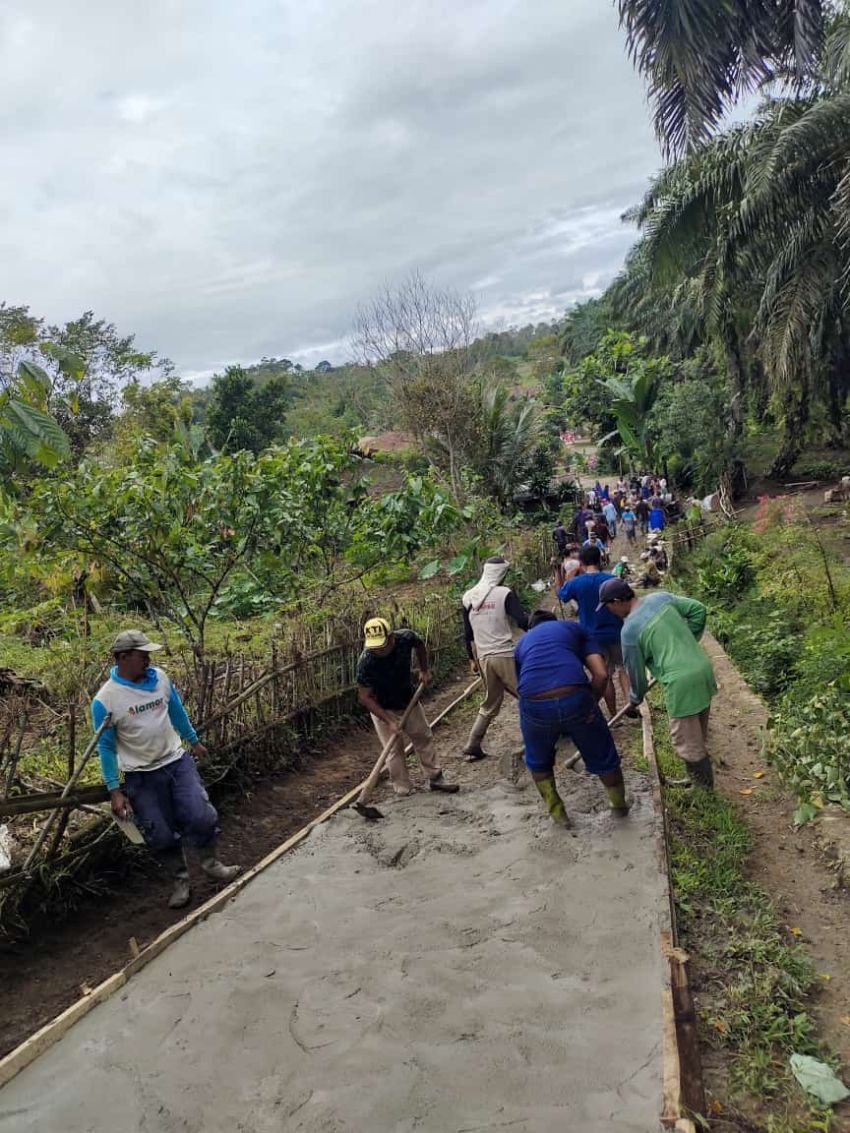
(681, 1069)
(19, 1058)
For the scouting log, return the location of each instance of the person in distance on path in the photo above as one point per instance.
(661, 633)
(603, 627)
(385, 688)
(162, 790)
(611, 516)
(561, 538)
(571, 566)
(557, 699)
(642, 512)
(629, 522)
(491, 614)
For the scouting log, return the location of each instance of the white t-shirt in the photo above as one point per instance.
(145, 738)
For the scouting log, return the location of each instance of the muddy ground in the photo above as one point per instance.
(462, 965)
(43, 975)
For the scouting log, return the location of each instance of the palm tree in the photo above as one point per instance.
(508, 434)
(700, 56)
(752, 231)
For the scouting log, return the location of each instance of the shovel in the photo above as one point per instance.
(371, 813)
(574, 759)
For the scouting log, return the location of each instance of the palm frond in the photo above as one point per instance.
(700, 56)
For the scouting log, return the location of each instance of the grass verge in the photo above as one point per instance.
(752, 984)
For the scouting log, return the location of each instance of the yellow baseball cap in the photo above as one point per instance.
(376, 632)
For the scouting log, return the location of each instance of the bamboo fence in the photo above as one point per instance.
(255, 715)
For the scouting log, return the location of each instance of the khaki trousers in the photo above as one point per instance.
(418, 731)
(689, 734)
(498, 672)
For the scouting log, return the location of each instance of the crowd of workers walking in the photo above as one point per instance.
(559, 670)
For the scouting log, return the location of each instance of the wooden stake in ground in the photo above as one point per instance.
(371, 813)
(107, 723)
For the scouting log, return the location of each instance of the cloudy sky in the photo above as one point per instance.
(229, 180)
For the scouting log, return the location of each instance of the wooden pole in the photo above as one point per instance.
(690, 1062)
(31, 804)
(39, 842)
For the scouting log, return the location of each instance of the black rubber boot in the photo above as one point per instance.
(438, 783)
(701, 774)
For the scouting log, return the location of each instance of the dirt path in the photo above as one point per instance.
(42, 975)
(790, 864)
(461, 966)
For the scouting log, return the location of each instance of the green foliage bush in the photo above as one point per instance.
(822, 470)
(811, 742)
(758, 639)
(727, 576)
(779, 605)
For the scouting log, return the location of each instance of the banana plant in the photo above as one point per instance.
(631, 386)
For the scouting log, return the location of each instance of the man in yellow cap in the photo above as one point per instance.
(385, 688)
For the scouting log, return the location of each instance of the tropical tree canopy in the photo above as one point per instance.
(699, 56)
(744, 247)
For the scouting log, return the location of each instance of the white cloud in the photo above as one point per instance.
(137, 107)
(234, 188)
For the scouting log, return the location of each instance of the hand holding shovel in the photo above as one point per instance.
(371, 813)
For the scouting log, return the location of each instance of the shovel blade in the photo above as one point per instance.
(370, 813)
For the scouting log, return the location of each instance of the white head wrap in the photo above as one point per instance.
(491, 576)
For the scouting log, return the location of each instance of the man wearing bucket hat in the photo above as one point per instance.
(385, 688)
(162, 789)
(661, 633)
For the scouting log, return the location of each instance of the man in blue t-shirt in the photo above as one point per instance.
(556, 699)
(600, 624)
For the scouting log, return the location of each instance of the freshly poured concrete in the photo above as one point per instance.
(461, 966)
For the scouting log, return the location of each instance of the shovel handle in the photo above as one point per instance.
(574, 759)
(369, 785)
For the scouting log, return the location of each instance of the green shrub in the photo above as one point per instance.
(781, 615)
(762, 644)
(728, 575)
(821, 470)
(810, 743)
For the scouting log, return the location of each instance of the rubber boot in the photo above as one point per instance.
(181, 894)
(213, 868)
(473, 750)
(554, 802)
(617, 801)
(701, 774)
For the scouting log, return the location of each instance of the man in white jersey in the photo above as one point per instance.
(491, 614)
(162, 789)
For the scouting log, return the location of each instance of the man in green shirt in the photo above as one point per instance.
(661, 633)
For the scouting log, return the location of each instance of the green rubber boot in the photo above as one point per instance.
(617, 801)
(554, 802)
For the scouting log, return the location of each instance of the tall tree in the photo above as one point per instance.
(700, 56)
(422, 338)
(243, 415)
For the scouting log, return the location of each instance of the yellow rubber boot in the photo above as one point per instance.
(554, 802)
(617, 800)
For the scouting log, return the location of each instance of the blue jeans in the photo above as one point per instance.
(577, 717)
(171, 805)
